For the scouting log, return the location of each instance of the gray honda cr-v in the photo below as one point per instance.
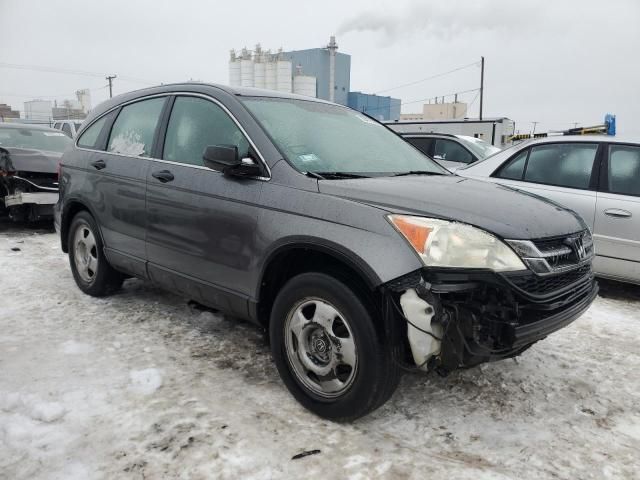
(360, 255)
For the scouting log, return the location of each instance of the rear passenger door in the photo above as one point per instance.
(563, 172)
(118, 179)
(201, 224)
(617, 228)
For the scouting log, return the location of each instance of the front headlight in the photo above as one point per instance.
(441, 243)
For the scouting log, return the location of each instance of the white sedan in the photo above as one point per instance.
(597, 176)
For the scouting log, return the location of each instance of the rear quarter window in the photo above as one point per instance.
(514, 169)
(90, 137)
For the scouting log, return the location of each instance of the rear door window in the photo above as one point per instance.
(196, 123)
(133, 131)
(624, 170)
(564, 165)
(451, 151)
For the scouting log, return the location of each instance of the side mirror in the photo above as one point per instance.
(221, 157)
(225, 159)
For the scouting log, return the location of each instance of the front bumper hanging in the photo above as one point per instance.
(481, 316)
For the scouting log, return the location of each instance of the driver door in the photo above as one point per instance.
(201, 224)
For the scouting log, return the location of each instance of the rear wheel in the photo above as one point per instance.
(89, 266)
(327, 350)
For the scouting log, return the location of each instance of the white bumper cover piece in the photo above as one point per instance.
(39, 198)
(420, 313)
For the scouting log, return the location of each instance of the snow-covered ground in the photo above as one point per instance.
(141, 385)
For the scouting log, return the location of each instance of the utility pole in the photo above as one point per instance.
(481, 85)
(110, 80)
(534, 128)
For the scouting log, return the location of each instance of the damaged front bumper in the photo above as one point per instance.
(35, 198)
(458, 319)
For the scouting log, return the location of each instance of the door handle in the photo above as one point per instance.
(618, 213)
(99, 164)
(163, 175)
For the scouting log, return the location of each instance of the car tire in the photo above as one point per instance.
(90, 268)
(327, 349)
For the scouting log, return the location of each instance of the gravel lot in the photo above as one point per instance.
(141, 385)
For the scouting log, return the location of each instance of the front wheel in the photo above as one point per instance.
(327, 349)
(90, 268)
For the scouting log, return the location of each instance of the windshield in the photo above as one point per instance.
(481, 148)
(50, 140)
(318, 137)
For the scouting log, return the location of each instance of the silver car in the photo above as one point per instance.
(598, 177)
(451, 151)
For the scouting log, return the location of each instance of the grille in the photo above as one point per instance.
(537, 285)
(553, 255)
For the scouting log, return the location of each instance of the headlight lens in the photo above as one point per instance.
(441, 243)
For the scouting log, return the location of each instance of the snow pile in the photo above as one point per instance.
(31, 407)
(145, 382)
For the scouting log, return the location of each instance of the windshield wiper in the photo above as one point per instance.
(335, 175)
(418, 172)
(315, 175)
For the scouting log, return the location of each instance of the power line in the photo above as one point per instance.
(36, 96)
(68, 71)
(428, 98)
(436, 96)
(40, 68)
(428, 78)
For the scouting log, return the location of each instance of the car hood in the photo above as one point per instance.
(496, 208)
(28, 160)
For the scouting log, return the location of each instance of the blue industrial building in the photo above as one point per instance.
(315, 62)
(382, 108)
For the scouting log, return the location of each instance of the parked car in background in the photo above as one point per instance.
(68, 127)
(451, 151)
(356, 252)
(29, 157)
(598, 177)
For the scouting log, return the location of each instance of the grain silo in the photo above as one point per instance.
(246, 69)
(283, 74)
(234, 70)
(304, 84)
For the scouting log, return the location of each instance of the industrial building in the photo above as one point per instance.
(438, 111)
(316, 72)
(381, 108)
(7, 112)
(38, 110)
(45, 111)
(305, 72)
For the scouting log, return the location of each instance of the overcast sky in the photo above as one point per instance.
(553, 62)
